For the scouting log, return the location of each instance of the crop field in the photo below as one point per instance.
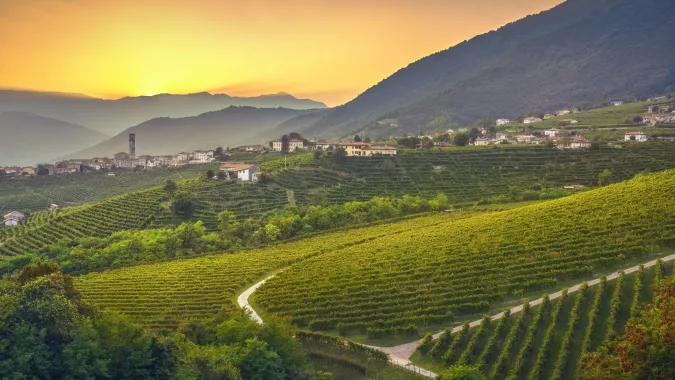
(37, 193)
(429, 275)
(468, 175)
(546, 341)
(164, 294)
(133, 211)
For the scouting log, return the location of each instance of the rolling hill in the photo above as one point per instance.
(28, 139)
(228, 127)
(557, 58)
(112, 116)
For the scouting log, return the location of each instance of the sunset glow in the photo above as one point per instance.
(326, 50)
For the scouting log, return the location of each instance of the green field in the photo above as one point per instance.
(36, 193)
(430, 275)
(546, 341)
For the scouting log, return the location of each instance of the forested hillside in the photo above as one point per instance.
(557, 58)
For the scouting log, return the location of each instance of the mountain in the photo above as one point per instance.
(297, 124)
(112, 116)
(28, 139)
(228, 127)
(579, 51)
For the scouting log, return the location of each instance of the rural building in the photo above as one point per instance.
(28, 171)
(294, 144)
(562, 112)
(203, 155)
(617, 103)
(530, 120)
(554, 132)
(379, 150)
(353, 149)
(13, 219)
(503, 121)
(52, 207)
(276, 146)
(522, 139)
(323, 145)
(636, 136)
(548, 116)
(579, 143)
(482, 142)
(245, 172)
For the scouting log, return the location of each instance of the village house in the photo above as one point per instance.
(523, 139)
(28, 171)
(13, 219)
(203, 155)
(530, 120)
(554, 132)
(548, 116)
(659, 119)
(353, 149)
(295, 144)
(562, 112)
(249, 148)
(323, 145)
(503, 122)
(276, 146)
(635, 136)
(481, 142)
(245, 172)
(125, 160)
(52, 207)
(616, 103)
(575, 142)
(374, 150)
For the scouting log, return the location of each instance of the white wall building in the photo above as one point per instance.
(636, 136)
(245, 172)
(13, 219)
(530, 120)
(503, 121)
(203, 155)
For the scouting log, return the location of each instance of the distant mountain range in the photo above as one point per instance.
(228, 127)
(112, 116)
(28, 139)
(580, 51)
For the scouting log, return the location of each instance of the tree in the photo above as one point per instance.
(317, 154)
(367, 140)
(647, 350)
(340, 155)
(357, 138)
(474, 133)
(463, 372)
(183, 204)
(285, 140)
(605, 178)
(218, 152)
(170, 187)
(637, 119)
(222, 175)
(461, 139)
(210, 174)
(42, 170)
(227, 222)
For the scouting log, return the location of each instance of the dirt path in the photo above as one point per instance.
(399, 355)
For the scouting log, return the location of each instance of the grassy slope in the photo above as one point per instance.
(485, 258)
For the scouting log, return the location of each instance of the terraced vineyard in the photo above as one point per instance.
(467, 175)
(429, 275)
(546, 341)
(161, 295)
(79, 188)
(133, 211)
(244, 199)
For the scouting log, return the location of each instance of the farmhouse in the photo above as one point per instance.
(323, 145)
(13, 219)
(245, 172)
(482, 142)
(617, 103)
(353, 148)
(503, 122)
(523, 139)
(28, 171)
(636, 136)
(562, 112)
(530, 120)
(203, 155)
(576, 142)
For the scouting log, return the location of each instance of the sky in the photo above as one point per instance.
(327, 50)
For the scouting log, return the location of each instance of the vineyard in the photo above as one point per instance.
(36, 193)
(429, 275)
(164, 294)
(133, 211)
(546, 341)
(468, 175)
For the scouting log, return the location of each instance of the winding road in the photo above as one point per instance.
(399, 355)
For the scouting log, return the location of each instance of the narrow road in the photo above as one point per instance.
(399, 355)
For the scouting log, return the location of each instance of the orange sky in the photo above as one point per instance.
(328, 50)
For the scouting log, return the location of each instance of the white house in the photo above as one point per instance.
(523, 139)
(530, 120)
(245, 172)
(553, 132)
(203, 155)
(617, 103)
(579, 143)
(636, 136)
(13, 219)
(548, 116)
(380, 150)
(294, 144)
(563, 112)
(503, 121)
(482, 142)
(276, 146)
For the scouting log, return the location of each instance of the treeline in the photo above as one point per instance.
(131, 247)
(48, 332)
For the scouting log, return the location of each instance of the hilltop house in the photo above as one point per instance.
(203, 155)
(323, 145)
(293, 144)
(562, 112)
(548, 116)
(245, 172)
(13, 219)
(522, 139)
(635, 136)
(503, 121)
(579, 142)
(530, 120)
(617, 103)
(380, 150)
(28, 171)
